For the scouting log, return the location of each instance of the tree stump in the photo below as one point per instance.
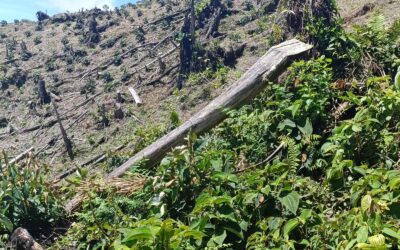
(21, 239)
(44, 97)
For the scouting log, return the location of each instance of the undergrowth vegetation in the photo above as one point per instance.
(27, 199)
(311, 163)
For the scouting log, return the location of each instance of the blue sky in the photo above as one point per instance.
(18, 9)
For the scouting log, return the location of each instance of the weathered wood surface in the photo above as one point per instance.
(268, 67)
(135, 96)
(21, 239)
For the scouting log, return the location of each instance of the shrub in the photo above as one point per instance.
(117, 59)
(26, 199)
(51, 65)
(37, 40)
(86, 62)
(70, 68)
(89, 87)
(139, 34)
(28, 33)
(106, 76)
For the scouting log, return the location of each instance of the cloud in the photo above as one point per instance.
(73, 5)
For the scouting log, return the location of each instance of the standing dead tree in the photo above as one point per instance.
(67, 141)
(41, 16)
(44, 97)
(25, 54)
(219, 12)
(92, 36)
(186, 52)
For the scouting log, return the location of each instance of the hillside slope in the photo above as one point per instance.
(311, 162)
(131, 40)
(58, 52)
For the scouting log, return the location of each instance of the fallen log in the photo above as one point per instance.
(92, 162)
(267, 68)
(135, 96)
(20, 157)
(48, 124)
(167, 72)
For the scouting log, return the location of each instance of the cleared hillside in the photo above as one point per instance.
(300, 150)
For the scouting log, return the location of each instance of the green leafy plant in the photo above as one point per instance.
(26, 198)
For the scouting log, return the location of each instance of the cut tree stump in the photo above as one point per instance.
(267, 68)
(21, 239)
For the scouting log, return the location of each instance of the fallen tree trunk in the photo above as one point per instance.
(268, 67)
(19, 157)
(91, 162)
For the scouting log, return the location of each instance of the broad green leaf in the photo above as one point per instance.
(362, 234)
(391, 233)
(225, 177)
(328, 148)
(307, 129)
(377, 240)
(356, 128)
(365, 246)
(82, 172)
(355, 197)
(193, 233)
(366, 202)
(305, 215)
(249, 198)
(219, 239)
(289, 227)
(138, 234)
(394, 184)
(350, 245)
(291, 201)
(286, 123)
(222, 199)
(6, 223)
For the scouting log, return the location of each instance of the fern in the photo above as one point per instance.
(377, 25)
(311, 144)
(293, 152)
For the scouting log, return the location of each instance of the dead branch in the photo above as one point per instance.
(92, 162)
(169, 16)
(167, 72)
